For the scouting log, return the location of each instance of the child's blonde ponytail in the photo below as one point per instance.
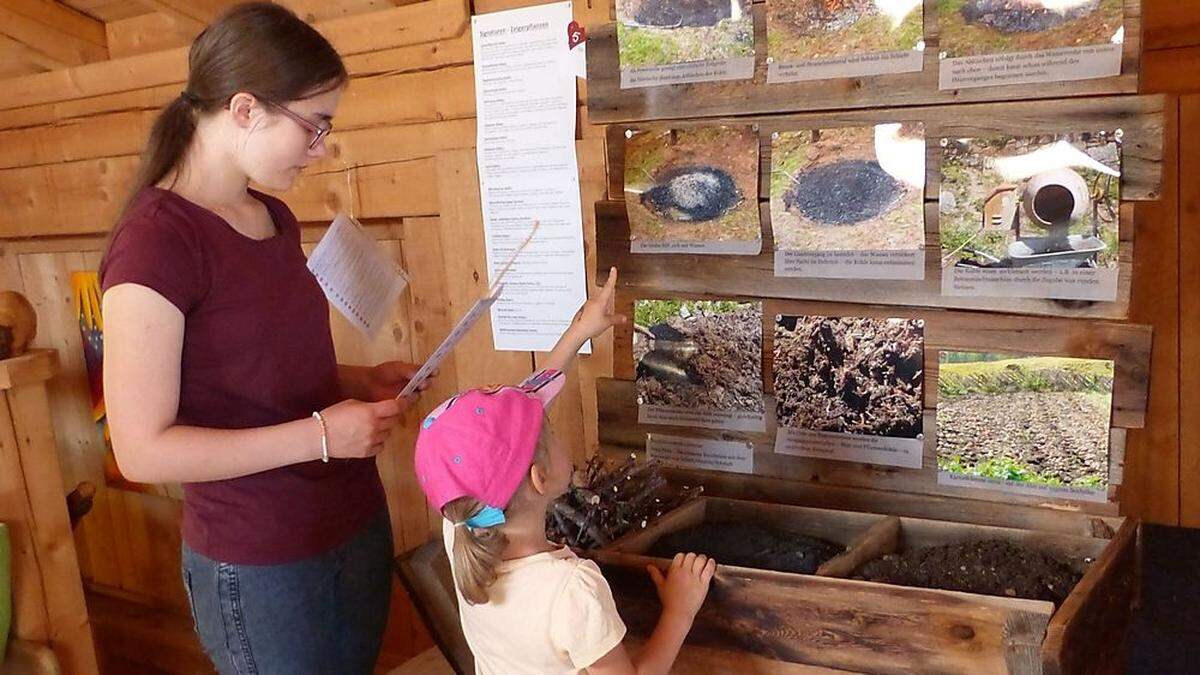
(477, 550)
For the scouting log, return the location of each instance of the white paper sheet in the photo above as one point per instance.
(358, 277)
(456, 334)
(525, 148)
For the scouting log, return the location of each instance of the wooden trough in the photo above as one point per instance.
(858, 626)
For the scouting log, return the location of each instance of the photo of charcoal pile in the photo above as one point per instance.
(662, 32)
(973, 27)
(699, 354)
(849, 189)
(1040, 420)
(695, 184)
(850, 375)
(799, 30)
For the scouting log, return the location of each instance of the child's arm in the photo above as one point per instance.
(682, 593)
(595, 317)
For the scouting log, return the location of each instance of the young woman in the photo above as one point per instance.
(219, 365)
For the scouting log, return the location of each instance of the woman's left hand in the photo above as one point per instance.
(386, 379)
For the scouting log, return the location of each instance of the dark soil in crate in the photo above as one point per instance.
(680, 13)
(986, 567)
(692, 194)
(1021, 16)
(748, 545)
(844, 193)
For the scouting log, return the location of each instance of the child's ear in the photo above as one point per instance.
(538, 477)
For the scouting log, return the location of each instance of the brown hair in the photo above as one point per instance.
(477, 550)
(260, 48)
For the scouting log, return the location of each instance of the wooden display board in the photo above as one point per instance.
(1027, 639)
(1140, 117)
(608, 103)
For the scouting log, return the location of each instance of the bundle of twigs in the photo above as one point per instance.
(607, 499)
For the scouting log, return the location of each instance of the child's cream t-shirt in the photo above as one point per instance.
(549, 614)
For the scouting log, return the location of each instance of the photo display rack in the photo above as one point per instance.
(1030, 326)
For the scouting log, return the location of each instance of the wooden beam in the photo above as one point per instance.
(190, 12)
(64, 19)
(424, 22)
(17, 59)
(427, 56)
(150, 32)
(1189, 309)
(67, 37)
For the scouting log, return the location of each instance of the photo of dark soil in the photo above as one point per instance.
(662, 32)
(973, 27)
(849, 189)
(987, 567)
(850, 375)
(1042, 201)
(799, 30)
(696, 184)
(749, 545)
(699, 354)
(1026, 419)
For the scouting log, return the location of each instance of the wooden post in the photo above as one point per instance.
(47, 588)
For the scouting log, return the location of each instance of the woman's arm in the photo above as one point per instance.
(143, 342)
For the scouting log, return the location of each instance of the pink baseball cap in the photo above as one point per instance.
(480, 443)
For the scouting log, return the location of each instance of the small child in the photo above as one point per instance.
(487, 461)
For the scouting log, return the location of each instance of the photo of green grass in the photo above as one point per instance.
(665, 32)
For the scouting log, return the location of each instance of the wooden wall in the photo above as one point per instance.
(402, 162)
(1163, 460)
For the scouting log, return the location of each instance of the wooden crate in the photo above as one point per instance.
(833, 622)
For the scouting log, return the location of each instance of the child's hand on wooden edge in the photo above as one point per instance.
(598, 314)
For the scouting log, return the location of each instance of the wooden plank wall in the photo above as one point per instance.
(1162, 471)
(402, 161)
(68, 140)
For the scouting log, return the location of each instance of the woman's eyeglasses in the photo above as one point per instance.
(318, 131)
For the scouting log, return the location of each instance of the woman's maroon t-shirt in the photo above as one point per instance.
(257, 351)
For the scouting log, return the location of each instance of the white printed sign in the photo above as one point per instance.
(885, 450)
(701, 453)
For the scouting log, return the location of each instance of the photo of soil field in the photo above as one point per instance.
(850, 375)
(663, 32)
(1045, 201)
(1028, 419)
(699, 354)
(801, 30)
(697, 184)
(974, 27)
(849, 189)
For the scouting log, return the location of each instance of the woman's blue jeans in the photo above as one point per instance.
(323, 615)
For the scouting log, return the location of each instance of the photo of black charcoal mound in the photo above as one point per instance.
(692, 194)
(682, 13)
(987, 567)
(749, 545)
(850, 375)
(1022, 16)
(844, 193)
